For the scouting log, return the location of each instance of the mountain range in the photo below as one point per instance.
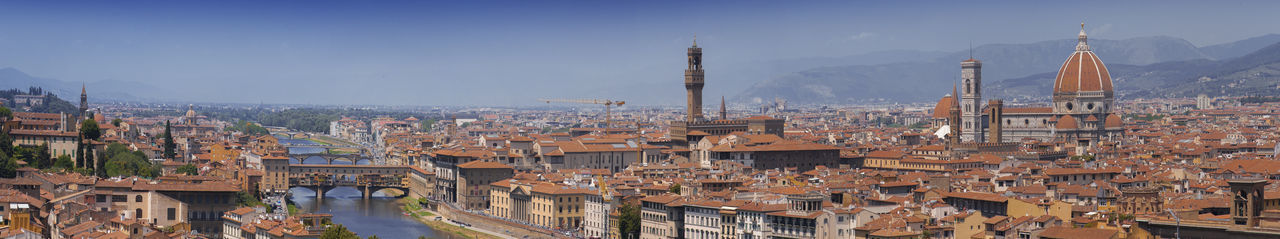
(1158, 66)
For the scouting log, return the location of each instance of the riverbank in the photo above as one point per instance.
(426, 217)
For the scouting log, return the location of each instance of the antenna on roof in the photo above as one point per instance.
(970, 49)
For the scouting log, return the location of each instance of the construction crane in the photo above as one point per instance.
(608, 104)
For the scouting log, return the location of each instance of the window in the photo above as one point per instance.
(173, 213)
(137, 198)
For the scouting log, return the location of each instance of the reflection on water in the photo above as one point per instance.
(379, 215)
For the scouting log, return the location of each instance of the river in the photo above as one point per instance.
(380, 215)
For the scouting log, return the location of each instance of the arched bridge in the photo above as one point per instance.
(355, 159)
(366, 178)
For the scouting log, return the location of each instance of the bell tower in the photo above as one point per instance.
(693, 82)
(971, 100)
(84, 102)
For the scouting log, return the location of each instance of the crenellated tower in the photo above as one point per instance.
(693, 81)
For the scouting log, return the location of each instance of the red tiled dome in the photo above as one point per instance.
(1113, 121)
(941, 110)
(1083, 71)
(1068, 122)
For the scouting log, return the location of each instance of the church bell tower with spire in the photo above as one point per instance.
(84, 102)
(693, 82)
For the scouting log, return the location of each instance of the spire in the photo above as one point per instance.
(82, 91)
(724, 114)
(695, 40)
(1083, 45)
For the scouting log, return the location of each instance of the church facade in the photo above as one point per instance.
(1081, 112)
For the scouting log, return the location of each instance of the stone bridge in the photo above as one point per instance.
(355, 159)
(409, 180)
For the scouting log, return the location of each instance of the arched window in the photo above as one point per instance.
(137, 213)
(137, 198)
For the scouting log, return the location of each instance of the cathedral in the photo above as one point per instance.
(1081, 113)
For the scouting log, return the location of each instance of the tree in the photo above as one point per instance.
(169, 147)
(629, 221)
(116, 122)
(5, 113)
(64, 162)
(6, 143)
(42, 158)
(427, 124)
(8, 166)
(374, 237)
(118, 160)
(188, 170)
(675, 188)
(89, 129)
(338, 232)
(247, 199)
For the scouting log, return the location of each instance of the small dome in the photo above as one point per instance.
(1068, 122)
(191, 112)
(941, 110)
(1113, 121)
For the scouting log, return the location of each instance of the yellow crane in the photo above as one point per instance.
(608, 104)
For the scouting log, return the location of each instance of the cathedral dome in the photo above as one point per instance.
(1083, 71)
(1113, 121)
(941, 110)
(1068, 122)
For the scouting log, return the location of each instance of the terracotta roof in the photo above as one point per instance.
(1082, 71)
(1067, 122)
(484, 164)
(943, 107)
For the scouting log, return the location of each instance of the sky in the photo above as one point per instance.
(513, 52)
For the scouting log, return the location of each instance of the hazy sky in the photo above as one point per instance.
(511, 52)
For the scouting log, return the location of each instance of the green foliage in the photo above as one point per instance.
(1259, 99)
(52, 104)
(5, 112)
(6, 143)
(305, 119)
(374, 237)
(122, 162)
(64, 162)
(338, 232)
(1086, 158)
(248, 128)
(169, 147)
(629, 221)
(116, 122)
(248, 199)
(427, 124)
(188, 169)
(675, 188)
(8, 166)
(42, 158)
(89, 129)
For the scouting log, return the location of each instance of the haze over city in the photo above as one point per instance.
(639, 120)
(436, 53)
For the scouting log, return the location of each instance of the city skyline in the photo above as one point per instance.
(426, 53)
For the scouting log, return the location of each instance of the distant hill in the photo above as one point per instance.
(1257, 73)
(924, 81)
(52, 104)
(111, 90)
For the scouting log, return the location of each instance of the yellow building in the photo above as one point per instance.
(1034, 208)
(968, 224)
(540, 203)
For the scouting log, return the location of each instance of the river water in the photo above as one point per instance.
(380, 215)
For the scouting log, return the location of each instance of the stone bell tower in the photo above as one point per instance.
(971, 100)
(693, 82)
